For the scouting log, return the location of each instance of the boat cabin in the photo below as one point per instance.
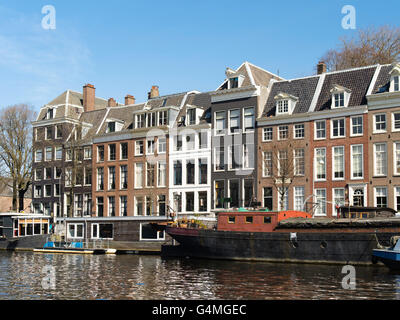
(20, 224)
(255, 221)
(354, 212)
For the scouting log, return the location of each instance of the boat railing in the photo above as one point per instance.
(59, 242)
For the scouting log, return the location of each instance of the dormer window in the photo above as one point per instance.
(234, 82)
(283, 106)
(111, 127)
(395, 78)
(191, 116)
(114, 125)
(50, 113)
(285, 103)
(340, 96)
(140, 120)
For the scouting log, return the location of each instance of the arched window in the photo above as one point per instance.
(358, 198)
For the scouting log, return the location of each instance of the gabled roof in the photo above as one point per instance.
(197, 100)
(253, 76)
(303, 89)
(383, 80)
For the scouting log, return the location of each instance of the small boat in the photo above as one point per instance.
(390, 256)
(72, 247)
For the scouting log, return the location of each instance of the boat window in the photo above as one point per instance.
(267, 219)
(365, 215)
(249, 219)
(231, 219)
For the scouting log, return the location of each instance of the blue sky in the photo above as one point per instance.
(125, 47)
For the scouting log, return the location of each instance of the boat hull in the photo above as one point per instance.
(23, 243)
(304, 247)
(388, 257)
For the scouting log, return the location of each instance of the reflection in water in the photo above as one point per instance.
(150, 277)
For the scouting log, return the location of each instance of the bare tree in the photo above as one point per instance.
(285, 167)
(16, 150)
(370, 46)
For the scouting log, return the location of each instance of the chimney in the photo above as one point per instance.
(111, 102)
(88, 97)
(129, 99)
(153, 92)
(321, 67)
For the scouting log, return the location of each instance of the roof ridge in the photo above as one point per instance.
(262, 69)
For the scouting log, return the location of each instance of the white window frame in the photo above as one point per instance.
(344, 128)
(375, 130)
(295, 196)
(352, 126)
(253, 120)
(322, 214)
(375, 194)
(396, 172)
(136, 147)
(352, 164)
(316, 129)
(386, 160)
(301, 130)
(315, 165)
(229, 122)
(334, 162)
(264, 133)
(394, 122)
(75, 231)
(223, 130)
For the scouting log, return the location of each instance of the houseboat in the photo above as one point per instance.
(23, 230)
(286, 236)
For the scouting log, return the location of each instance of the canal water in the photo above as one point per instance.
(36, 276)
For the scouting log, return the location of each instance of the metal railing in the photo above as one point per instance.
(60, 242)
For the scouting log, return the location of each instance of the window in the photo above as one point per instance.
(358, 198)
(111, 126)
(357, 161)
(162, 205)
(75, 230)
(58, 153)
(149, 206)
(397, 199)
(68, 176)
(396, 83)
(162, 145)
(100, 178)
(139, 206)
(150, 174)
(380, 159)
(87, 153)
(338, 198)
(396, 157)
(203, 171)
(140, 120)
(338, 129)
(123, 208)
(380, 122)
(139, 148)
(111, 178)
(299, 131)
(268, 200)
(111, 206)
(267, 134)
(396, 121)
(203, 143)
(47, 173)
(234, 121)
(37, 191)
(78, 205)
(320, 129)
(100, 153)
(298, 198)
(48, 133)
(220, 125)
(151, 119)
(231, 219)
(321, 202)
(177, 172)
(190, 174)
(57, 173)
(234, 156)
(357, 126)
(189, 201)
(320, 163)
(339, 99)
(162, 118)
(381, 197)
(100, 206)
(112, 152)
(58, 131)
(88, 176)
(48, 155)
(267, 163)
(202, 201)
(124, 150)
(219, 194)
(57, 190)
(248, 154)
(233, 82)
(47, 190)
(87, 204)
(248, 192)
(234, 193)
(191, 116)
(283, 106)
(38, 155)
(190, 142)
(50, 113)
(299, 162)
(249, 219)
(124, 177)
(162, 174)
(219, 158)
(178, 143)
(150, 146)
(249, 118)
(38, 174)
(283, 163)
(138, 175)
(338, 163)
(147, 232)
(283, 132)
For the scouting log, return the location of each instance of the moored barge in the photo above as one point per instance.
(287, 236)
